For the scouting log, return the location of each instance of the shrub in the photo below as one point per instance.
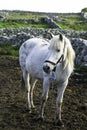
(84, 10)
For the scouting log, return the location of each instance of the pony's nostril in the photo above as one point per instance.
(46, 68)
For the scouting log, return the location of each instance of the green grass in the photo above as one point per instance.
(9, 51)
(73, 26)
(10, 24)
(73, 22)
(23, 16)
(81, 69)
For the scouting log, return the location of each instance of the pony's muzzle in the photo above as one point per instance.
(46, 68)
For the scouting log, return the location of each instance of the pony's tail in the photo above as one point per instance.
(22, 82)
(22, 55)
(24, 51)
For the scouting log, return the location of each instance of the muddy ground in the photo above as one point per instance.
(12, 102)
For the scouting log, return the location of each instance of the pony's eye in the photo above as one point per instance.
(58, 50)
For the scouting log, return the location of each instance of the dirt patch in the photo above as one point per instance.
(12, 102)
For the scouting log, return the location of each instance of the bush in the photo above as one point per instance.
(84, 10)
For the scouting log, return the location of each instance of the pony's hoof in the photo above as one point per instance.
(28, 110)
(41, 119)
(33, 107)
(60, 123)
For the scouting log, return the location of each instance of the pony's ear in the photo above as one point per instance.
(60, 37)
(51, 35)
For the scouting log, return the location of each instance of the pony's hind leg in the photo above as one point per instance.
(31, 92)
(26, 77)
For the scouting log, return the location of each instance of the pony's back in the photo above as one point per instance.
(26, 49)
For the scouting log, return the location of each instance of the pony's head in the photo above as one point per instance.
(60, 52)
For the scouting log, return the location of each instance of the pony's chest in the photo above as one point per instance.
(61, 75)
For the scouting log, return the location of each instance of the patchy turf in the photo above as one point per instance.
(12, 101)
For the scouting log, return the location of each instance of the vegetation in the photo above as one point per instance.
(84, 10)
(11, 20)
(22, 15)
(65, 21)
(18, 24)
(9, 51)
(73, 22)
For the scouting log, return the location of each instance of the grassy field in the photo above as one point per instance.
(10, 24)
(69, 21)
(24, 16)
(9, 51)
(73, 22)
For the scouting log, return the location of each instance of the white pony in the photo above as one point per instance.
(40, 59)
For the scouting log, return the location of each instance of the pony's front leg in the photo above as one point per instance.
(61, 89)
(44, 97)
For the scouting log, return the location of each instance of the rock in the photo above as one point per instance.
(1, 17)
(80, 47)
(84, 15)
(50, 22)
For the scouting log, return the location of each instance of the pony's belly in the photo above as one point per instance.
(34, 70)
(34, 62)
(36, 74)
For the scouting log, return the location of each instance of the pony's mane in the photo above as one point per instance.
(57, 42)
(70, 56)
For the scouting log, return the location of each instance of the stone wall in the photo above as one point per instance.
(80, 47)
(18, 36)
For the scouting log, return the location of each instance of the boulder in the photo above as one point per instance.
(80, 47)
(84, 15)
